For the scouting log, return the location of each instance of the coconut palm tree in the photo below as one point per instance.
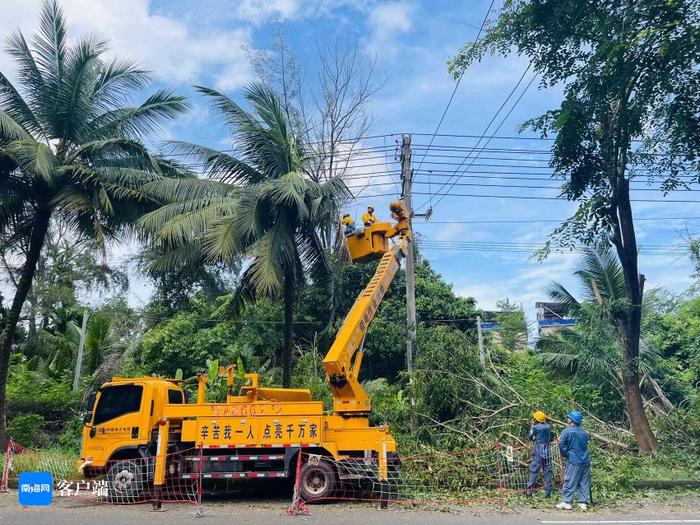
(71, 149)
(592, 349)
(256, 205)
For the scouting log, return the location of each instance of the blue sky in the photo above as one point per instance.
(201, 42)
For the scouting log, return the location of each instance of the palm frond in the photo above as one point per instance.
(159, 108)
(51, 45)
(30, 77)
(218, 165)
(289, 191)
(559, 294)
(270, 150)
(11, 130)
(600, 265)
(233, 114)
(75, 104)
(33, 157)
(117, 80)
(244, 295)
(272, 254)
(12, 102)
(180, 190)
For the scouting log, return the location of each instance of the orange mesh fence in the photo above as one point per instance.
(124, 481)
(488, 474)
(491, 473)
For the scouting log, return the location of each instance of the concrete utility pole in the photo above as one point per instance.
(411, 342)
(482, 352)
(81, 345)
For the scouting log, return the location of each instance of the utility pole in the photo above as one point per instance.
(81, 345)
(482, 353)
(411, 342)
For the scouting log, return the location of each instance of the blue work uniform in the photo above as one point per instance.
(541, 434)
(573, 445)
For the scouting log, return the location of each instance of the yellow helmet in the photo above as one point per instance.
(539, 416)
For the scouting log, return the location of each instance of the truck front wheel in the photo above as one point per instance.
(317, 481)
(126, 482)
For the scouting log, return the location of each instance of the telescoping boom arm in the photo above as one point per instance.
(343, 361)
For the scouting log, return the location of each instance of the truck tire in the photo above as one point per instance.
(317, 481)
(126, 482)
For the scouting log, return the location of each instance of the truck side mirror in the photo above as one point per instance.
(87, 417)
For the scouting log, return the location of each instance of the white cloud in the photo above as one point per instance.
(387, 22)
(259, 11)
(167, 46)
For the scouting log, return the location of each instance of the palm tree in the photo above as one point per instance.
(256, 205)
(71, 149)
(593, 349)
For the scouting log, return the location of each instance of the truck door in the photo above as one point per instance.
(118, 418)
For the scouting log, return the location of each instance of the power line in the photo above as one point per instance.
(459, 80)
(522, 94)
(486, 247)
(500, 137)
(392, 182)
(531, 221)
(532, 197)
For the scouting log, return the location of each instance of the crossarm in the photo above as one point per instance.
(342, 363)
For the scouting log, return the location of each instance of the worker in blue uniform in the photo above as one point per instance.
(541, 433)
(573, 445)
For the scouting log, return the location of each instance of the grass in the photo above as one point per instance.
(61, 465)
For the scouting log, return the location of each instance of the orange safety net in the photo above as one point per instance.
(123, 481)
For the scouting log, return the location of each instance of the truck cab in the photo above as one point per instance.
(121, 418)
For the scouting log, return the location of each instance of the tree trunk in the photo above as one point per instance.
(630, 323)
(665, 401)
(288, 331)
(36, 241)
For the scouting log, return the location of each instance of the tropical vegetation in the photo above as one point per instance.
(247, 267)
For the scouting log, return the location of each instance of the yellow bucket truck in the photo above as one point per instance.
(257, 434)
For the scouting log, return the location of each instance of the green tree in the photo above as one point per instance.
(176, 284)
(71, 148)
(675, 333)
(591, 351)
(260, 207)
(631, 84)
(66, 267)
(512, 333)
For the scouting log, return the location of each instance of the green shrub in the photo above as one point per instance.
(25, 429)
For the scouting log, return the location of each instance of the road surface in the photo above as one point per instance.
(64, 512)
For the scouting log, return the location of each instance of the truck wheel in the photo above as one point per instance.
(126, 482)
(317, 481)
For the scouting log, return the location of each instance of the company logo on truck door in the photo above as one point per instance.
(113, 430)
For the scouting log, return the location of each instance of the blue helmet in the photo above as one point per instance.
(575, 416)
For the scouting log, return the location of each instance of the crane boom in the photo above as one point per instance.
(343, 361)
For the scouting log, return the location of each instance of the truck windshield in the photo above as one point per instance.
(116, 401)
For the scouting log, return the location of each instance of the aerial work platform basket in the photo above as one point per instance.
(369, 243)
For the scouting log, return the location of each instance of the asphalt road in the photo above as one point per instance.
(64, 512)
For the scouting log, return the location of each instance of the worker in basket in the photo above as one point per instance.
(573, 445)
(369, 218)
(348, 224)
(541, 433)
